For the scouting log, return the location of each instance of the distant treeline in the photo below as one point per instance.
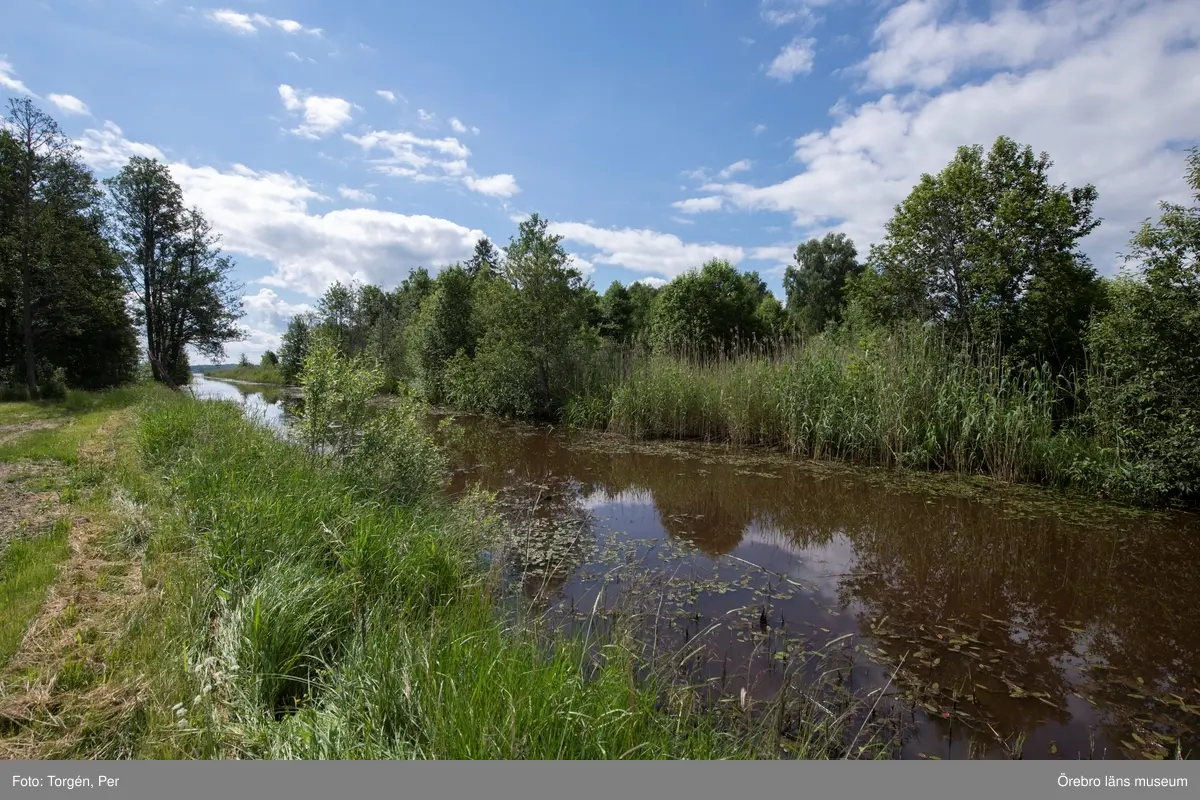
(976, 336)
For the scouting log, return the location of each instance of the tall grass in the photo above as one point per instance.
(899, 399)
(345, 624)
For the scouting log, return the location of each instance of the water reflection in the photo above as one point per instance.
(270, 405)
(1005, 633)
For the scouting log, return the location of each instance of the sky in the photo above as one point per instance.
(358, 140)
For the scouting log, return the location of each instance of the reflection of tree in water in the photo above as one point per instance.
(1026, 592)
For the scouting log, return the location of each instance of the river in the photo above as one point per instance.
(998, 623)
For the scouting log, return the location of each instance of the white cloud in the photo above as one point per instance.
(426, 117)
(582, 264)
(1111, 109)
(8, 79)
(252, 23)
(266, 309)
(106, 148)
(425, 159)
(920, 50)
(792, 12)
(386, 94)
(68, 104)
(457, 126)
(787, 12)
(265, 215)
(657, 283)
(413, 156)
(735, 168)
(643, 250)
(796, 58)
(759, 128)
(496, 185)
(357, 195)
(320, 116)
(696, 205)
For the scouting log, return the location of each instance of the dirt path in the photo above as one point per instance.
(54, 691)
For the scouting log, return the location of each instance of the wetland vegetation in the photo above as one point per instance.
(684, 522)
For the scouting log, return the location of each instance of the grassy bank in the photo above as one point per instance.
(250, 374)
(273, 608)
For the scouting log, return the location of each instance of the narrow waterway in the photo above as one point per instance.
(995, 627)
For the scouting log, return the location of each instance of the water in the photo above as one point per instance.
(997, 626)
(268, 405)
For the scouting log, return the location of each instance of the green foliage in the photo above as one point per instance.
(616, 312)
(1145, 391)
(293, 349)
(706, 311)
(172, 263)
(384, 452)
(442, 328)
(977, 249)
(62, 303)
(269, 359)
(816, 286)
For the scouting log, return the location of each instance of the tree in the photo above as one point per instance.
(641, 304)
(1147, 392)
(706, 311)
(173, 266)
(816, 285)
(293, 348)
(41, 148)
(61, 270)
(485, 261)
(966, 246)
(269, 359)
(616, 312)
(530, 325)
(772, 317)
(442, 329)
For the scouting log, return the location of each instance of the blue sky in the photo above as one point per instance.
(356, 140)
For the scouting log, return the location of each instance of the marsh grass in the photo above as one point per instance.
(899, 399)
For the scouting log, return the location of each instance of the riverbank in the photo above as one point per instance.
(269, 376)
(224, 596)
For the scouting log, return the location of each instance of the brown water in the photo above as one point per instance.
(997, 628)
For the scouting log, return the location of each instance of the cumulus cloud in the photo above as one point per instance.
(426, 117)
(107, 148)
(643, 250)
(759, 128)
(386, 94)
(734, 168)
(68, 104)
(251, 23)
(8, 79)
(503, 185)
(1111, 106)
(425, 159)
(457, 126)
(657, 283)
(356, 195)
(266, 309)
(265, 215)
(319, 116)
(917, 48)
(796, 58)
(696, 205)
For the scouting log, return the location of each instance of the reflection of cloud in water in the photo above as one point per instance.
(629, 497)
(819, 568)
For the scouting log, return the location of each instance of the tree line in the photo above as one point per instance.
(984, 255)
(94, 275)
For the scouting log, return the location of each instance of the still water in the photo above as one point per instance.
(995, 626)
